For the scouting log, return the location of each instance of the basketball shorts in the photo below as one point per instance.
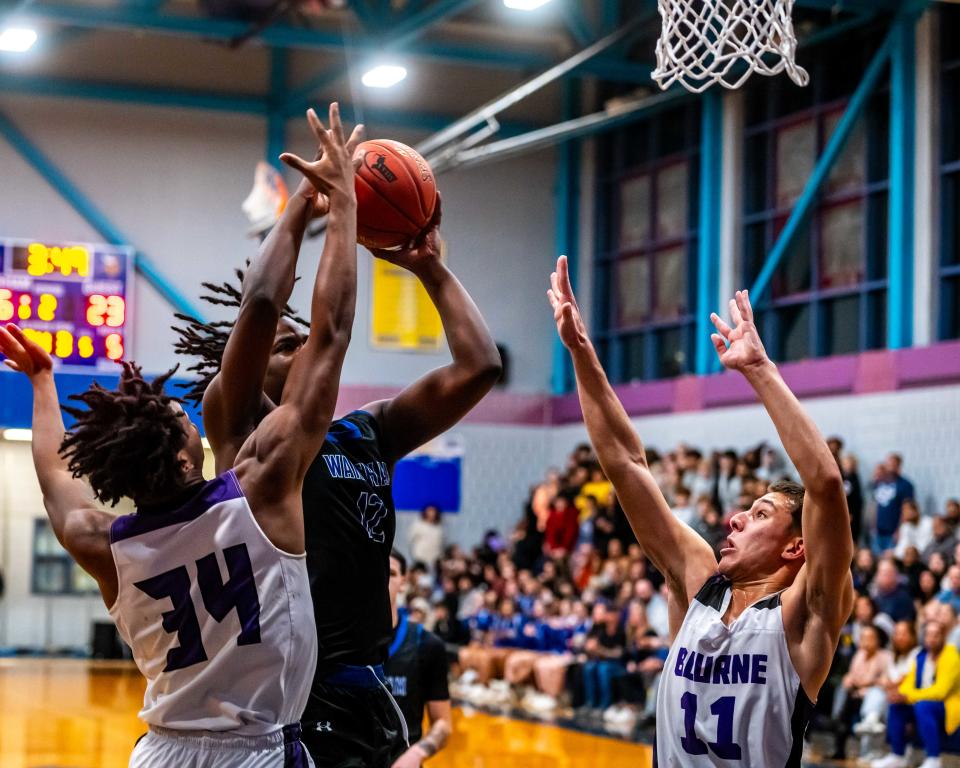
(353, 721)
(165, 748)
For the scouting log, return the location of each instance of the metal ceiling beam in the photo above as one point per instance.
(408, 29)
(285, 36)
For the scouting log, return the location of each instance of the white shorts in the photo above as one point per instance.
(164, 748)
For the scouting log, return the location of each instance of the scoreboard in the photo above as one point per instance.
(71, 298)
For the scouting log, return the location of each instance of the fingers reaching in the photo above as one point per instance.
(735, 316)
(718, 343)
(724, 329)
(319, 132)
(355, 138)
(335, 125)
(743, 302)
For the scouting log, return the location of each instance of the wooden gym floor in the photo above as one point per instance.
(66, 713)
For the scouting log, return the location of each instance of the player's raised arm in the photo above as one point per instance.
(676, 550)
(276, 456)
(828, 544)
(79, 526)
(233, 403)
(438, 400)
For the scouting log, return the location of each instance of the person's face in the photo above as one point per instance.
(953, 575)
(287, 342)
(761, 539)
(934, 637)
(599, 613)
(945, 615)
(892, 464)
(726, 465)
(614, 548)
(191, 455)
(396, 580)
(863, 610)
(937, 564)
(886, 576)
(939, 527)
(431, 514)
(928, 582)
(909, 512)
(952, 510)
(864, 559)
(848, 465)
(869, 641)
(902, 637)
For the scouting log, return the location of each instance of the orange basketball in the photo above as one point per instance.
(396, 194)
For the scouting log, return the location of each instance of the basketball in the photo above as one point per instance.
(396, 194)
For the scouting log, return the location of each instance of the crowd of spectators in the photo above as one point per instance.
(565, 611)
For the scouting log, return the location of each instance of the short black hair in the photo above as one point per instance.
(208, 340)
(400, 559)
(794, 493)
(126, 441)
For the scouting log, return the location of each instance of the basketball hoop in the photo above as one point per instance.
(704, 42)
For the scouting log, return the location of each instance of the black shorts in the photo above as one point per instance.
(352, 722)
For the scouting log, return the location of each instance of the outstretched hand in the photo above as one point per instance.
(739, 348)
(23, 355)
(332, 172)
(422, 252)
(566, 312)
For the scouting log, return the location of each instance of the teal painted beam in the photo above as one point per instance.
(900, 254)
(403, 32)
(577, 23)
(33, 85)
(821, 171)
(49, 171)
(708, 246)
(567, 202)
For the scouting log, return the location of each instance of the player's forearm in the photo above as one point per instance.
(800, 437)
(335, 290)
(614, 439)
(436, 738)
(48, 429)
(272, 273)
(474, 352)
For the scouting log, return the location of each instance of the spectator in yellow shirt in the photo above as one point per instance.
(929, 697)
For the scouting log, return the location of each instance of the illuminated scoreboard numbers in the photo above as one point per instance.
(47, 308)
(43, 339)
(7, 306)
(105, 310)
(85, 347)
(43, 260)
(114, 346)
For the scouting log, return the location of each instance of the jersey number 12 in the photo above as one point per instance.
(219, 598)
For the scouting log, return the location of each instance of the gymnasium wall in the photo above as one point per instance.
(173, 181)
(921, 424)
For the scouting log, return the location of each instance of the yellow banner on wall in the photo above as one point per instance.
(402, 315)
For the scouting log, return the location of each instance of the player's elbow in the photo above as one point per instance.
(826, 483)
(489, 369)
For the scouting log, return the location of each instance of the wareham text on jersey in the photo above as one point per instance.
(725, 669)
(374, 472)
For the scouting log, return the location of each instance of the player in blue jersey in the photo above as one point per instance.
(351, 719)
(753, 635)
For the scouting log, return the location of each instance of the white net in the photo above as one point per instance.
(725, 41)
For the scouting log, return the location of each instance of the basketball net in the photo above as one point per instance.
(704, 41)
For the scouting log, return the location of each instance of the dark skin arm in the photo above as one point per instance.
(273, 461)
(437, 401)
(82, 528)
(234, 402)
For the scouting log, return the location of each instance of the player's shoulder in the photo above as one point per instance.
(356, 426)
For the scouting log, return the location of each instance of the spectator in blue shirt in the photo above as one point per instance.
(951, 596)
(890, 596)
(890, 490)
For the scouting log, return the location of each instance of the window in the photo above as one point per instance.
(828, 294)
(949, 266)
(646, 265)
(54, 571)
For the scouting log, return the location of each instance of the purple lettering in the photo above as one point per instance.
(741, 668)
(759, 672)
(681, 656)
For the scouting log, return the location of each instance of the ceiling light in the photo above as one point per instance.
(17, 435)
(17, 39)
(524, 5)
(384, 76)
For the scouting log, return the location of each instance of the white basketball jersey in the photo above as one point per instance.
(219, 620)
(730, 696)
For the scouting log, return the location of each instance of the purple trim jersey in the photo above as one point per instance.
(220, 621)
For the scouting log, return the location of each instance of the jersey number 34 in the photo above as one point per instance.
(219, 598)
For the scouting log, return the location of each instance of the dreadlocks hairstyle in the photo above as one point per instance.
(125, 443)
(207, 341)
